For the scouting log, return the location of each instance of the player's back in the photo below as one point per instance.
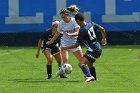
(88, 32)
(87, 35)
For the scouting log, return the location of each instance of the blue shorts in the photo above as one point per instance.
(54, 49)
(93, 55)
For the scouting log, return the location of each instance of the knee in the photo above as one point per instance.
(82, 63)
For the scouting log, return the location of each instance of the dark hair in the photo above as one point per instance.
(79, 17)
(65, 11)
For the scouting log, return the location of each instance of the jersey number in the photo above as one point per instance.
(91, 33)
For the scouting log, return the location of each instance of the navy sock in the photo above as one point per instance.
(85, 71)
(49, 70)
(59, 66)
(93, 72)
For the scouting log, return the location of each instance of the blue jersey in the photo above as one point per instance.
(47, 36)
(87, 35)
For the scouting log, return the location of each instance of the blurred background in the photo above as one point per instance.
(22, 21)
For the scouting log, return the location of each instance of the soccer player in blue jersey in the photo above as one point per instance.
(88, 37)
(50, 50)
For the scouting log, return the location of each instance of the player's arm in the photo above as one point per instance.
(80, 39)
(70, 47)
(102, 30)
(57, 34)
(75, 32)
(38, 48)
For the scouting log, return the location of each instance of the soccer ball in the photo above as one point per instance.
(67, 68)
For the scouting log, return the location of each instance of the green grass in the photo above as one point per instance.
(117, 71)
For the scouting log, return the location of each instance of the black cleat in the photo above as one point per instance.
(49, 77)
(63, 76)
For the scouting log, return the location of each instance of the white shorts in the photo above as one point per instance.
(76, 49)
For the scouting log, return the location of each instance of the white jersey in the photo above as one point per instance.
(68, 28)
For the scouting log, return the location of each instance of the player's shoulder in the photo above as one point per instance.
(61, 21)
(90, 23)
(95, 24)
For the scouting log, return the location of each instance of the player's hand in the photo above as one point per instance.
(104, 41)
(67, 34)
(37, 55)
(49, 42)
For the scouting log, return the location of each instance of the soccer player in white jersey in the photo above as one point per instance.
(70, 29)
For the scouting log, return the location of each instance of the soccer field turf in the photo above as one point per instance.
(118, 71)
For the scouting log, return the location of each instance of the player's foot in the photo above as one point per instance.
(88, 79)
(63, 76)
(49, 77)
(59, 73)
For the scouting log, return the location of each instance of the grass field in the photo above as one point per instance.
(118, 71)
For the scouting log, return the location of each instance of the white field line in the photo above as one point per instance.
(7, 53)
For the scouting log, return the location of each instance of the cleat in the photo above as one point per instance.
(49, 77)
(88, 79)
(59, 73)
(63, 76)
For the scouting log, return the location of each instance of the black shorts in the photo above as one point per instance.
(93, 55)
(54, 49)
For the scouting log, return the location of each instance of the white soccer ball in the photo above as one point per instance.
(67, 68)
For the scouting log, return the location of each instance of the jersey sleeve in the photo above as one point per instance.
(96, 26)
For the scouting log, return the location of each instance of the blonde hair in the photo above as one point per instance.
(73, 8)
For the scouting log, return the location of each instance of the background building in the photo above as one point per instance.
(21, 21)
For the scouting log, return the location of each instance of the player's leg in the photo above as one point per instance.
(82, 63)
(77, 53)
(91, 56)
(84, 68)
(92, 69)
(48, 55)
(65, 55)
(57, 55)
(96, 53)
(90, 60)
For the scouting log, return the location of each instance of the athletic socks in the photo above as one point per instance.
(49, 71)
(93, 72)
(86, 71)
